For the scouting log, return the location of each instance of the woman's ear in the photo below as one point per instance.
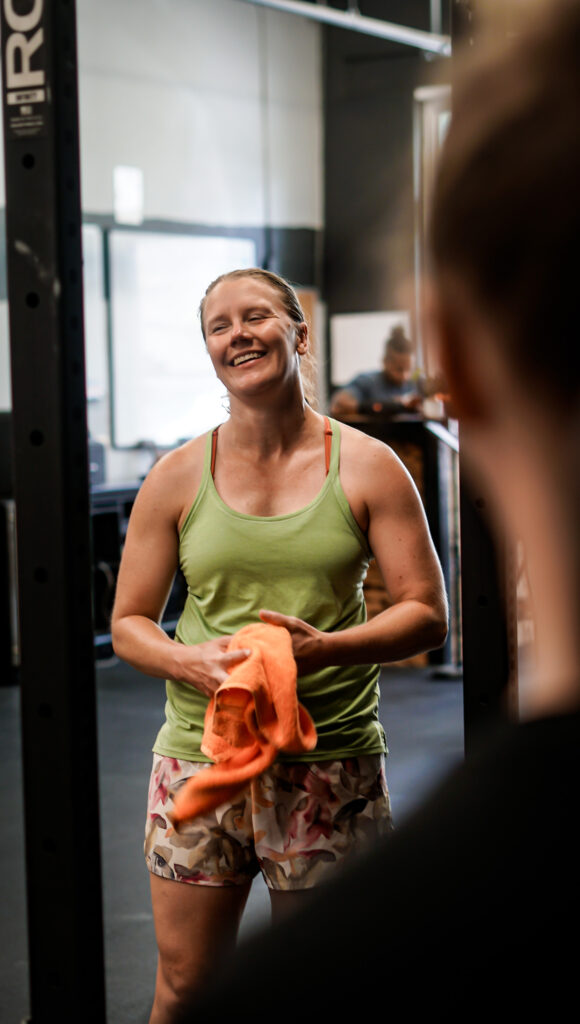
(302, 338)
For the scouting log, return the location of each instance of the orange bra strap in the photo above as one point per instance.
(213, 449)
(327, 442)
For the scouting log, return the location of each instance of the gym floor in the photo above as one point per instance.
(423, 719)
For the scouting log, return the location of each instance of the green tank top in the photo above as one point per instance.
(311, 564)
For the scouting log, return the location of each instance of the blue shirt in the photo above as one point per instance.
(372, 387)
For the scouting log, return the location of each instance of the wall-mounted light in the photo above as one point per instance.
(128, 195)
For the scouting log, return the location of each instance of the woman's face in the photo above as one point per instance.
(251, 339)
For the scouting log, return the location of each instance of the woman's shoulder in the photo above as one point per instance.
(186, 458)
(369, 468)
(173, 482)
(183, 457)
(356, 445)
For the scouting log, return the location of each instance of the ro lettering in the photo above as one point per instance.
(21, 46)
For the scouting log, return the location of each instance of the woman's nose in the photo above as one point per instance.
(239, 329)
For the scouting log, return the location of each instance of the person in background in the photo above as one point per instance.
(393, 391)
(469, 912)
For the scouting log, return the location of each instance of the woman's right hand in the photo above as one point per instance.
(205, 666)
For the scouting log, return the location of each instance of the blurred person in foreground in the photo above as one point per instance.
(469, 911)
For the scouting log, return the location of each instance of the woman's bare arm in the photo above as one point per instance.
(399, 537)
(148, 566)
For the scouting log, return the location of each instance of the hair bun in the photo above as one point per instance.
(398, 332)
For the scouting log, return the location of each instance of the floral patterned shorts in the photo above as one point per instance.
(295, 822)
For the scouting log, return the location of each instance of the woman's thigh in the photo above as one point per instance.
(194, 924)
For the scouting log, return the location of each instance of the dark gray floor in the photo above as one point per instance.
(423, 719)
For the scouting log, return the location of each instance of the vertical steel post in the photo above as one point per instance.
(58, 706)
(486, 663)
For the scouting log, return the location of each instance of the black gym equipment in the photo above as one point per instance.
(57, 677)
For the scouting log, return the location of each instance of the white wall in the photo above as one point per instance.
(219, 103)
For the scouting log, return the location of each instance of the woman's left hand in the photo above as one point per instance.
(307, 641)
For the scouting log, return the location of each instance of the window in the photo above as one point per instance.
(164, 389)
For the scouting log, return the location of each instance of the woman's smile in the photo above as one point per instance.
(247, 357)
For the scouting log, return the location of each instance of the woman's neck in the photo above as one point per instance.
(267, 426)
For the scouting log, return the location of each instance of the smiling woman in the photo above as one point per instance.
(268, 288)
(248, 323)
(277, 522)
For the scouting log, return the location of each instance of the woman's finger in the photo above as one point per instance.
(234, 657)
(275, 618)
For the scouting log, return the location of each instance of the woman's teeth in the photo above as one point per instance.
(247, 357)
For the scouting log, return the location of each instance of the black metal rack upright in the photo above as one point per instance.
(57, 677)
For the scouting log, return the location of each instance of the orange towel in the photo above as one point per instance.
(251, 717)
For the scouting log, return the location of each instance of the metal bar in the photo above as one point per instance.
(486, 654)
(58, 713)
(443, 434)
(355, 22)
(435, 16)
(444, 450)
(437, 517)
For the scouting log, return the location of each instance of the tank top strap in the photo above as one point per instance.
(328, 436)
(214, 438)
(327, 442)
(332, 440)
